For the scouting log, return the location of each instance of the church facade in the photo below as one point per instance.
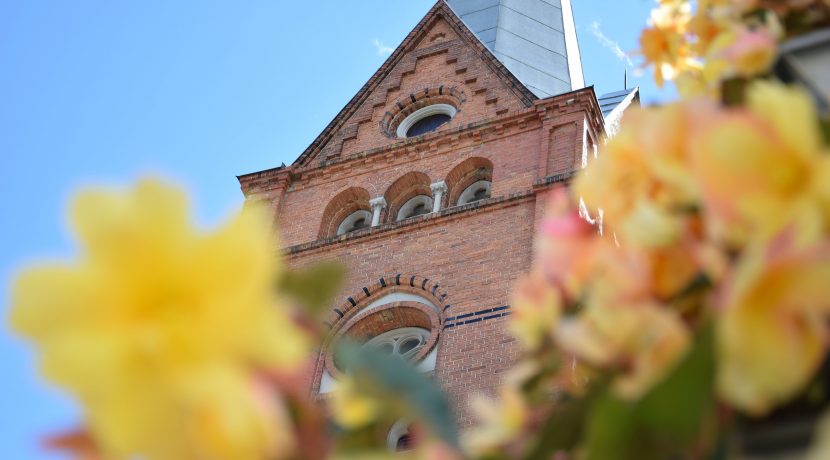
(428, 185)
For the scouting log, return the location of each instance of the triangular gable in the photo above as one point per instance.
(441, 26)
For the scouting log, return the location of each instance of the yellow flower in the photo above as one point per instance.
(763, 168)
(642, 177)
(351, 407)
(536, 308)
(501, 420)
(771, 333)
(158, 329)
(644, 341)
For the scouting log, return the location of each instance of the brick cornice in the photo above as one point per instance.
(435, 143)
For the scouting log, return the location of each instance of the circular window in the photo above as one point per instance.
(477, 191)
(415, 206)
(426, 120)
(404, 342)
(355, 221)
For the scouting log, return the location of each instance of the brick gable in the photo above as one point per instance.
(440, 61)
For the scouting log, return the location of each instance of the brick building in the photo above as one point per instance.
(428, 184)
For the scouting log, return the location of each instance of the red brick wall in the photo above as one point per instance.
(474, 255)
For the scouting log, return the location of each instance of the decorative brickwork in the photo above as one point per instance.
(406, 187)
(465, 174)
(343, 204)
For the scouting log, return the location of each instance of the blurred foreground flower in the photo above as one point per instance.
(161, 331)
(773, 317)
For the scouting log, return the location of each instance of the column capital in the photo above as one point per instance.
(379, 202)
(438, 187)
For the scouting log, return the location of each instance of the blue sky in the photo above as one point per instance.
(198, 91)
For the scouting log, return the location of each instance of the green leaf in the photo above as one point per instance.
(677, 406)
(564, 428)
(667, 422)
(400, 380)
(314, 287)
(733, 92)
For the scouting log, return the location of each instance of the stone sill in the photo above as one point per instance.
(546, 182)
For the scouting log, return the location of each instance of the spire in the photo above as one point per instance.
(535, 39)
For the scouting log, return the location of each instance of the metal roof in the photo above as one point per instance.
(613, 105)
(535, 39)
(608, 102)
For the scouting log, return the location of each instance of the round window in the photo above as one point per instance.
(425, 120)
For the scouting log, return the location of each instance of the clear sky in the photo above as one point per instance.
(199, 91)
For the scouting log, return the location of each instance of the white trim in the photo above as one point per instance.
(420, 114)
(396, 337)
(572, 47)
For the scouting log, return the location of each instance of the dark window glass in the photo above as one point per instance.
(425, 125)
(405, 442)
(358, 224)
(417, 210)
(408, 346)
(481, 194)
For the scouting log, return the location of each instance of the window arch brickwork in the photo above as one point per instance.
(403, 189)
(465, 174)
(347, 313)
(341, 206)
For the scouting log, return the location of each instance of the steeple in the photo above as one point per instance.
(535, 39)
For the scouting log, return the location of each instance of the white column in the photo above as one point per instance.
(438, 191)
(377, 205)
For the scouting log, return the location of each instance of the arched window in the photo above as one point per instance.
(415, 206)
(355, 221)
(348, 211)
(470, 181)
(409, 196)
(401, 323)
(479, 190)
